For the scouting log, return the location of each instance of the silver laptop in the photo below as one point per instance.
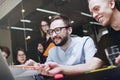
(5, 73)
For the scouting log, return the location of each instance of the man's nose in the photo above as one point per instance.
(54, 34)
(95, 15)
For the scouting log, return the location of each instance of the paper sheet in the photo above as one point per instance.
(19, 72)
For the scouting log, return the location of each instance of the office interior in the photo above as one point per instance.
(20, 22)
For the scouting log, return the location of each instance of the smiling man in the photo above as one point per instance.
(69, 50)
(105, 12)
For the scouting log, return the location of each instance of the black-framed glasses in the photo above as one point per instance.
(56, 30)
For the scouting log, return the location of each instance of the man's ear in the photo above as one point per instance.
(70, 30)
(112, 3)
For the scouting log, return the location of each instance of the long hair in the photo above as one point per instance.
(43, 35)
(117, 4)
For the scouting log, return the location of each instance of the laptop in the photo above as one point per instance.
(7, 73)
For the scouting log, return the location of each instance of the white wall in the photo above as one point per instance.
(7, 6)
(5, 40)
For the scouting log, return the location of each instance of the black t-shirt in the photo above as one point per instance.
(108, 40)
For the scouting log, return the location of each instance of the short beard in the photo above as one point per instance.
(65, 39)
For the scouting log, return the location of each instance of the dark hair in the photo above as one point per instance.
(41, 31)
(46, 19)
(16, 61)
(6, 50)
(20, 49)
(117, 4)
(63, 17)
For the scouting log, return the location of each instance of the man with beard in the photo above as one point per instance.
(68, 50)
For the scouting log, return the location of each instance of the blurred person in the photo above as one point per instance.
(40, 49)
(45, 41)
(20, 57)
(5, 52)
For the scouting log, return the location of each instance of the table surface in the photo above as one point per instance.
(110, 73)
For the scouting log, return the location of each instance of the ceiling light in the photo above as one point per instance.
(47, 11)
(85, 31)
(25, 20)
(18, 28)
(28, 37)
(96, 23)
(71, 22)
(85, 14)
(50, 17)
(104, 32)
(23, 10)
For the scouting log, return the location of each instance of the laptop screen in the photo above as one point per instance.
(5, 73)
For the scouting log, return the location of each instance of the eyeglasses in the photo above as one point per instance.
(56, 30)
